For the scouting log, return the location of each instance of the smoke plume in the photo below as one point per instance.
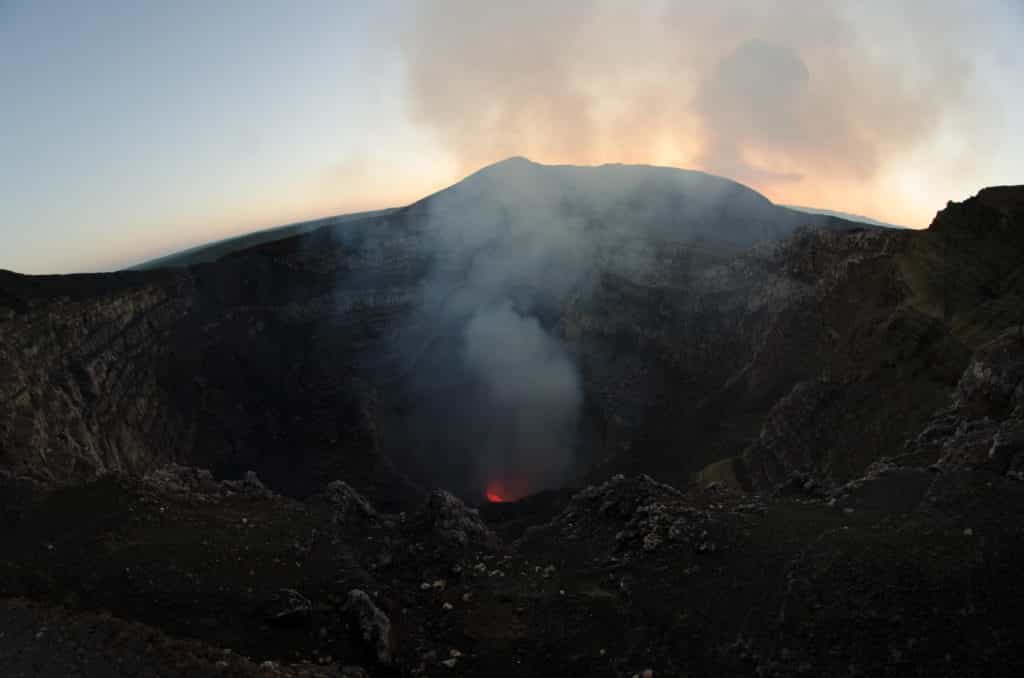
(514, 251)
(802, 100)
(503, 255)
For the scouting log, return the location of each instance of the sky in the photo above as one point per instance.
(132, 129)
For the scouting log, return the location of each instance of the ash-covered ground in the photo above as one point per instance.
(178, 574)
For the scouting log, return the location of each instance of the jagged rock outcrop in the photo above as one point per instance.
(628, 518)
(983, 428)
(371, 624)
(349, 507)
(449, 524)
(903, 330)
(243, 365)
(73, 405)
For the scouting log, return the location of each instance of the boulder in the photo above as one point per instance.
(371, 624)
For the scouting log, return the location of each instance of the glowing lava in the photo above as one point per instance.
(505, 491)
(497, 492)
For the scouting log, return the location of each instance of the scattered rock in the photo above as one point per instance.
(288, 606)
(181, 480)
(373, 625)
(199, 486)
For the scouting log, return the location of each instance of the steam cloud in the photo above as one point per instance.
(504, 254)
(773, 94)
(769, 94)
(514, 250)
(534, 387)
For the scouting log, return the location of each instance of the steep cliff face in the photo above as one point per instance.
(708, 330)
(246, 364)
(931, 318)
(77, 356)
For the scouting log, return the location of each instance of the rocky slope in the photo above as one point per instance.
(632, 575)
(801, 444)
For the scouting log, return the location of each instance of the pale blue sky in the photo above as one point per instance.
(130, 129)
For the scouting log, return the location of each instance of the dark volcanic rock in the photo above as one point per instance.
(350, 507)
(983, 428)
(288, 606)
(886, 488)
(372, 625)
(634, 573)
(448, 523)
(178, 447)
(198, 484)
(626, 518)
(902, 321)
(44, 642)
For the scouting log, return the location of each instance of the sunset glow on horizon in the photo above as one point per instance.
(134, 131)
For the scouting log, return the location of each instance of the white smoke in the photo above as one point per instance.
(505, 253)
(534, 391)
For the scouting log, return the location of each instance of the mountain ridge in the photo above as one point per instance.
(798, 454)
(207, 252)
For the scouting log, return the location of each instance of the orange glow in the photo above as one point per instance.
(505, 490)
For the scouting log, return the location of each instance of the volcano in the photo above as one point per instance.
(789, 431)
(366, 348)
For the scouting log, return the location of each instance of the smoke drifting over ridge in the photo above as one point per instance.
(514, 256)
(812, 103)
(503, 254)
(804, 100)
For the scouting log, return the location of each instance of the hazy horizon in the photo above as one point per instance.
(134, 132)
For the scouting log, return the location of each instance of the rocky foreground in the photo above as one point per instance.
(902, 572)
